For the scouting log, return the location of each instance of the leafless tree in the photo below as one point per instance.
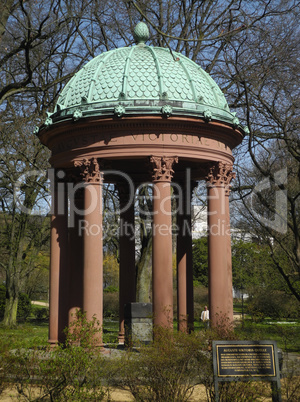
(22, 185)
(41, 45)
(264, 71)
(252, 51)
(249, 47)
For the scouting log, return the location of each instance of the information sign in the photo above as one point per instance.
(246, 360)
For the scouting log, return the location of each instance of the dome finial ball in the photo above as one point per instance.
(141, 33)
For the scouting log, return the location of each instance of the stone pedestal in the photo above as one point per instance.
(138, 323)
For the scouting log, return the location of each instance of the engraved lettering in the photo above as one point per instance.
(200, 140)
(152, 137)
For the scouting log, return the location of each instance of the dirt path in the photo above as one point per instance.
(39, 303)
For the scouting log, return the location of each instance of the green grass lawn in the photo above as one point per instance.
(35, 334)
(285, 332)
(27, 335)
(287, 335)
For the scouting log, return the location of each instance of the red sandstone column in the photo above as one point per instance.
(182, 315)
(58, 264)
(76, 258)
(162, 275)
(64, 275)
(218, 245)
(127, 276)
(230, 176)
(189, 276)
(185, 288)
(92, 242)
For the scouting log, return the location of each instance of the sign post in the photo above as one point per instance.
(246, 361)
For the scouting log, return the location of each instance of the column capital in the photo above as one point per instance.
(90, 170)
(220, 174)
(162, 168)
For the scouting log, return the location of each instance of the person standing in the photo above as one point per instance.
(205, 315)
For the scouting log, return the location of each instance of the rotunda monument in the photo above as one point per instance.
(129, 116)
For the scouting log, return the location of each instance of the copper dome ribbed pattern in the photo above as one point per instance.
(141, 80)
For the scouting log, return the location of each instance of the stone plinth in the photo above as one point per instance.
(138, 323)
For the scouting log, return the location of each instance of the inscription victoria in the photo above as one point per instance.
(107, 140)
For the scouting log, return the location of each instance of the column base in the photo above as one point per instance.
(53, 343)
(121, 338)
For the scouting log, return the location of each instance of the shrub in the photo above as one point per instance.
(273, 304)
(24, 307)
(166, 370)
(24, 304)
(70, 372)
(173, 364)
(40, 313)
(110, 304)
(291, 381)
(111, 289)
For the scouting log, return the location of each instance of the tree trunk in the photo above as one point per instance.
(144, 271)
(14, 268)
(10, 314)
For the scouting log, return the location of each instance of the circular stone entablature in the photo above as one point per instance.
(130, 103)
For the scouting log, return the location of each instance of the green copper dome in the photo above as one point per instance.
(142, 80)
